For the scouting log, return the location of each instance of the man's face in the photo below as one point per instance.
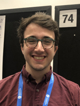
(38, 58)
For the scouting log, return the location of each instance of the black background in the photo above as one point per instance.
(67, 59)
(13, 59)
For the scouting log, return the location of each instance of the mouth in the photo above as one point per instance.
(39, 57)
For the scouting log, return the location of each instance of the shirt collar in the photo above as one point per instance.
(28, 76)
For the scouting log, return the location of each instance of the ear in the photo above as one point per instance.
(22, 48)
(56, 48)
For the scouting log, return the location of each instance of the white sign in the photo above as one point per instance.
(2, 32)
(68, 18)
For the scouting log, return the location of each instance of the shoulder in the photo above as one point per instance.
(71, 89)
(65, 82)
(8, 87)
(9, 82)
(9, 79)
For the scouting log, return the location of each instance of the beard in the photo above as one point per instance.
(38, 67)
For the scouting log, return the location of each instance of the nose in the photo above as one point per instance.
(39, 47)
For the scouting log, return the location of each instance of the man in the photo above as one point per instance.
(36, 84)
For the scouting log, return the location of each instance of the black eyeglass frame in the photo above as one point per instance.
(40, 40)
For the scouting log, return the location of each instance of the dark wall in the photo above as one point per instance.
(68, 55)
(13, 59)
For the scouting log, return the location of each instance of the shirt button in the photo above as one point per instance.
(37, 90)
(27, 80)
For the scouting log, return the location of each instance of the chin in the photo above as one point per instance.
(37, 68)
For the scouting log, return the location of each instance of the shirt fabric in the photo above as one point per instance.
(64, 92)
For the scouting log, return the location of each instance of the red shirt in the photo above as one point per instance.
(64, 92)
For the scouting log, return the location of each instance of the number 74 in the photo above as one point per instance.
(69, 19)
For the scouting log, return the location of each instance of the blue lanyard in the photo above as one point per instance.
(20, 90)
(48, 93)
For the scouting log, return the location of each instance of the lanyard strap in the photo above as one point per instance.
(20, 91)
(48, 93)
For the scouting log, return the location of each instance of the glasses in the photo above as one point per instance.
(32, 42)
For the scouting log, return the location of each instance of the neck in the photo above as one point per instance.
(37, 75)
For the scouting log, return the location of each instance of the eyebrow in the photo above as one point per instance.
(33, 36)
(46, 37)
(37, 38)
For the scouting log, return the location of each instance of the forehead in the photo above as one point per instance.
(38, 31)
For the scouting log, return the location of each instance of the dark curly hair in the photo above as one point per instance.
(41, 19)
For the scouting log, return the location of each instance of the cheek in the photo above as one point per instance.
(51, 53)
(27, 53)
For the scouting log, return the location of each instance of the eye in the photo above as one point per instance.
(46, 41)
(31, 40)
